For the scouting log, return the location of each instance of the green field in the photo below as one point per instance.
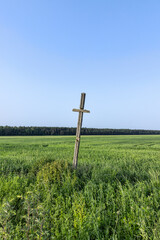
(114, 194)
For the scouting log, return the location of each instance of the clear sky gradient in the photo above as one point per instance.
(52, 50)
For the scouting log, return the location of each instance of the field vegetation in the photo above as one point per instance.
(114, 193)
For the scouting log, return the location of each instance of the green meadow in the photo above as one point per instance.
(114, 193)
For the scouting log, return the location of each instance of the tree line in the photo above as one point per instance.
(41, 131)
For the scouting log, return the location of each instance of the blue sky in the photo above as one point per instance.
(51, 51)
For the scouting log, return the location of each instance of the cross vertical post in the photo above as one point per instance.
(79, 125)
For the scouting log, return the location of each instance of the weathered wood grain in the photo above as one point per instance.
(79, 125)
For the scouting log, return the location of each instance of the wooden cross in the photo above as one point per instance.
(79, 125)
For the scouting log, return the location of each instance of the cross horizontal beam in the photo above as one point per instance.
(80, 110)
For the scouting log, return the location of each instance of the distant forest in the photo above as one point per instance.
(41, 131)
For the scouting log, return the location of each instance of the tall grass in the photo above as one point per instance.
(114, 194)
